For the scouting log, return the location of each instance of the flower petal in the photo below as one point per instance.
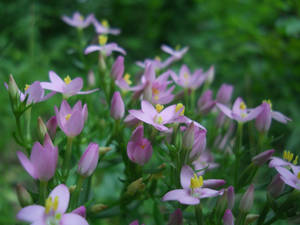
(186, 174)
(74, 125)
(26, 163)
(72, 219)
(31, 213)
(207, 193)
(280, 117)
(148, 108)
(182, 196)
(225, 110)
(63, 194)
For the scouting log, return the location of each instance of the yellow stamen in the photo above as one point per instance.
(127, 78)
(288, 156)
(48, 205)
(26, 87)
(269, 102)
(196, 182)
(159, 107)
(186, 76)
(102, 39)
(157, 58)
(243, 106)
(179, 106)
(155, 91)
(55, 203)
(68, 116)
(58, 216)
(159, 120)
(67, 79)
(298, 176)
(177, 47)
(105, 23)
(295, 162)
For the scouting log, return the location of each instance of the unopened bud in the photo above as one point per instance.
(91, 78)
(23, 196)
(250, 218)
(135, 186)
(51, 126)
(247, 199)
(118, 68)
(230, 197)
(98, 208)
(276, 186)
(81, 211)
(228, 218)
(263, 157)
(42, 129)
(13, 89)
(188, 137)
(117, 109)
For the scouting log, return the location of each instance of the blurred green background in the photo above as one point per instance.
(254, 45)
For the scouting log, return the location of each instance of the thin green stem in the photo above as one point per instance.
(67, 158)
(43, 191)
(77, 191)
(27, 124)
(237, 151)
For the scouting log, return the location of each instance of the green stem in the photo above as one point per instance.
(241, 218)
(192, 101)
(43, 191)
(199, 215)
(77, 191)
(237, 151)
(67, 158)
(27, 124)
(263, 214)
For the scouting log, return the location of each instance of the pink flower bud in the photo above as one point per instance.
(52, 126)
(176, 218)
(42, 129)
(131, 121)
(230, 197)
(213, 183)
(224, 94)
(276, 186)
(188, 137)
(263, 157)
(206, 102)
(264, 119)
(13, 89)
(89, 160)
(81, 211)
(228, 218)
(139, 149)
(210, 74)
(118, 68)
(199, 144)
(247, 199)
(117, 109)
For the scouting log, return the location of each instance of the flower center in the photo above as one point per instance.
(159, 120)
(196, 182)
(51, 205)
(269, 102)
(243, 106)
(298, 176)
(67, 80)
(186, 76)
(177, 47)
(102, 39)
(288, 156)
(157, 58)
(81, 18)
(68, 116)
(159, 107)
(127, 78)
(105, 23)
(179, 107)
(143, 146)
(26, 87)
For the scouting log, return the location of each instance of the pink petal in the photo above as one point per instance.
(253, 113)
(207, 193)
(137, 134)
(167, 49)
(63, 194)
(168, 113)
(65, 108)
(280, 117)
(74, 125)
(136, 222)
(73, 87)
(87, 92)
(149, 72)
(186, 174)
(182, 196)
(31, 213)
(148, 108)
(92, 48)
(236, 106)
(141, 116)
(72, 219)
(26, 163)
(225, 110)
(276, 162)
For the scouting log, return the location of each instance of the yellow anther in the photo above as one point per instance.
(81, 17)
(105, 23)
(55, 203)
(288, 156)
(268, 101)
(159, 120)
(196, 182)
(186, 76)
(57, 216)
(295, 162)
(127, 78)
(179, 107)
(155, 91)
(68, 116)
(48, 205)
(177, 47)
(159, 107)
(291, 156)
(26, 87)
(157, 58)
(243, 106)
(67, 79)
(298, 176)
(102, 39)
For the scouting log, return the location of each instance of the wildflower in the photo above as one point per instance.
(89, 160)
(291, 178)
(239, 111)
(54, 211)
(205, 161)
(264, 119)
(71, 120)
(117, 106)
(193, 189)
(139, 149)
(176, 53)
(67, 87)
(289, 160)
(188, 80)
(77, 20)
(43, 160)
(103, 27)
(276, 186)
(263, 157)
(224, 94)
(228, 218)
(247, 199)
(206, 103)
(136, 222)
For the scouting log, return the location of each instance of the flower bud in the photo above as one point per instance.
(188, 137)
(51, 126)
(230, 197)
(213, 183)
(276, 186)
(224, 94)
(81, 211)
(91, 78)
(199, 144)
(135, 186)
(98, 208)
(250, 218)
(264, 119)
(117, 109)
(263, 157)
(89, 160)
(118, 68)
(206, 102)
(247, 199)
(147, 94)
(210, 74)
(13, 89)
(131, 121)
(228, 218)
(23, 196)
(176, 218)
(42, 129)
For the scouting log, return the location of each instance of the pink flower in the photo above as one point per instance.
(177, 54)
(193, 189)
(89, 160)
(228, 218)
(188, 80)
(43, 160)
(139, 149)
(103, 27)
(67, 87)
(206, 103)
(77, 20)
(264, 118)
(71, 120)
(239, 111)
(117, 109)
(263, 157)
(54, 211)
(289, 160)
(224, 94)
(291, 178)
